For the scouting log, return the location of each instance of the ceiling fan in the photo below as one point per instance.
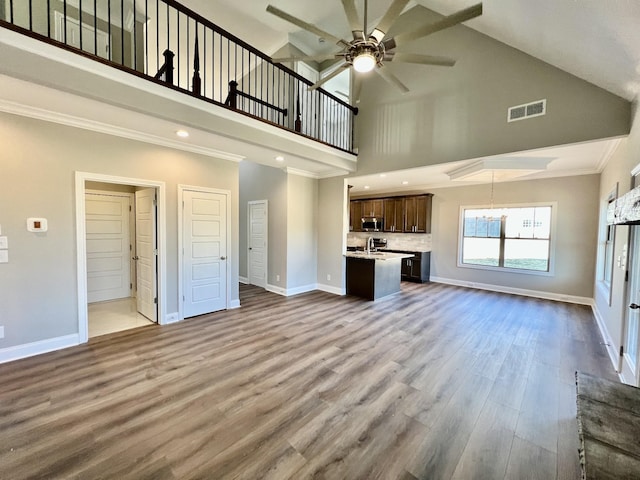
(369, 50)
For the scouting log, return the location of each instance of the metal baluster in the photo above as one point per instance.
(204, 34)
(135, 38)
(188, 58)
(109, 26)
(11, 10)
(31, 15)
(122, 32)
(95, 28)
(178, 45)
(168, 28)
(80, 21)
(64, 14)
(157, 35)
(146, 40)
(49, 18)
(221, 60)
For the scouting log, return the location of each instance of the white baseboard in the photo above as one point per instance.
(171, 318)
(234, 304)
(606, 339)
(288, 292)
(516, 291)
(332, 289)
(17, 352)
(244, 280)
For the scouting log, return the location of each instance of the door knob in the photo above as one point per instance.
(634, 306)
(223, 258)
(135, 258)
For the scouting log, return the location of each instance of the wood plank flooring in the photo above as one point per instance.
(436, 382)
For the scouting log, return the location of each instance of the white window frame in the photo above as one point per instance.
(606, 264)
(552, 239)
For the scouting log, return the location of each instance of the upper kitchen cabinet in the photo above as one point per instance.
(373, 208)
(393, 214)
(417, 214)
(355, 216)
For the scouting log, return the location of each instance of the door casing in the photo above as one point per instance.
(81, 255)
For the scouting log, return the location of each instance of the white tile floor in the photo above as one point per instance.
(115, 316)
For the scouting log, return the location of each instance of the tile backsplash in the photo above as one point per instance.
(420, 242)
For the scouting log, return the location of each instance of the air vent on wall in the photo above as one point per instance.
(528, 110)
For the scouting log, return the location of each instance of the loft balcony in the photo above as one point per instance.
(171, 63)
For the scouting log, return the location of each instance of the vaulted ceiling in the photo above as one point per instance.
(596, 40)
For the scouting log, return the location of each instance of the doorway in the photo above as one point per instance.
(629, 369)
(258, 215)
(111, 242)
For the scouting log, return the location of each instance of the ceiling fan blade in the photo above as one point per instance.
(305, 58)
(392, 14)
(392, 79)
(421, 59)
(352, 16)
(335, 73)
(306, 26)
(449, 21)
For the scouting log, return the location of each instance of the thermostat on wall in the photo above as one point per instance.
(37, 224)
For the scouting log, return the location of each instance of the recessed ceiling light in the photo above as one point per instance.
(366, 187)
(182, 133)
(404, 182)
(280, 158)
(382, 175)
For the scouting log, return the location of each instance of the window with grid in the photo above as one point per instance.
(511, 238)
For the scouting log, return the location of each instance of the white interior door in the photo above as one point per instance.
(630, 348)
(108, 246)
(257, 261)
(146, 253)
(204, 230)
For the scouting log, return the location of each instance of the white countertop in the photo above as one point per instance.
(377, 255)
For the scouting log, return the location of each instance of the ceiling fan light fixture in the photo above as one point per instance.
(364, 62)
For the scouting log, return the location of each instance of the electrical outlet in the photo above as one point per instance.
(1, 332)
(277, 278)
(4, 256)
(328, 277)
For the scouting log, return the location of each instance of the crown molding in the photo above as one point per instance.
(108, 129)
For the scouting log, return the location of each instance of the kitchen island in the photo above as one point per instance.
(373, 275)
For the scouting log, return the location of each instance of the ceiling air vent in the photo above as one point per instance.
(528, 110)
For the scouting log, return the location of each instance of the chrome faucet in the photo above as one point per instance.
(369, 245)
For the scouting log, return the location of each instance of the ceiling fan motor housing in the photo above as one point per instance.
(369, 48)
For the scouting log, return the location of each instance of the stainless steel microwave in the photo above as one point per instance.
(372, 224)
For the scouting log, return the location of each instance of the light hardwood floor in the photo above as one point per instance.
(436, 382)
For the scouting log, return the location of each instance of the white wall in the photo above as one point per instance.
(575, 234)
(38, 298)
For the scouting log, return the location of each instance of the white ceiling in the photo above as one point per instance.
(596, 40)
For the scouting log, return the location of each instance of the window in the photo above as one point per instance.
(515, 238)
(606, 244)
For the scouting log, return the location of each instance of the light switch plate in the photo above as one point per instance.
(4, 243)
(4, 256)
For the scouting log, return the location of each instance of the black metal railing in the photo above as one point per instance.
(164, 41)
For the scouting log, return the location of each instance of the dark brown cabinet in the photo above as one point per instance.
(416, 268)
(393, 214)
(417, 214)
(355, 216)
(373, 208)
(407, 214)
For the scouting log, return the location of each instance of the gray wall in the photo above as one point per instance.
(258, 182)
(575, 234)
(38, 296)
(302, 234)
(333, 215)
(460, 112)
